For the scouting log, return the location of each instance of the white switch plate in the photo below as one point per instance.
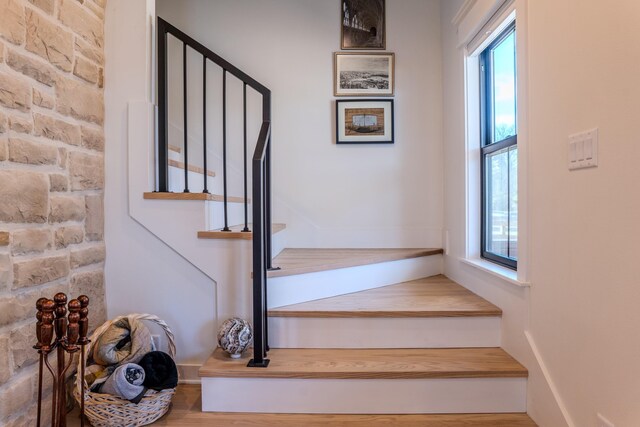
(583, 150)
(603, 422)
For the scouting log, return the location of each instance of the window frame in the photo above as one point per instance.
(487, 145)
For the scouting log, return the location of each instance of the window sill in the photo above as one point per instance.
(506, 274)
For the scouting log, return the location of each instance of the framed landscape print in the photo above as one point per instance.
(364, 121)
(363, 24)
(363, 74)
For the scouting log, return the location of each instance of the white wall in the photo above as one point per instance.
(329, 195)
(581, 311)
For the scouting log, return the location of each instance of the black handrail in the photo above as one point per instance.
(261, 167)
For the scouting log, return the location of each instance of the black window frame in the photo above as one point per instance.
(488, 146)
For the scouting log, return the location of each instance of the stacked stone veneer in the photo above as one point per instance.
(51, 176)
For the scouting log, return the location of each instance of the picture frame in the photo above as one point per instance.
(364, 121)
(363, 25)
(363, 74)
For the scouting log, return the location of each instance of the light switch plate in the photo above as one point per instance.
(603, 422)
(583, 150)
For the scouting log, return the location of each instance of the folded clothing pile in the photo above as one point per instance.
(125, 363)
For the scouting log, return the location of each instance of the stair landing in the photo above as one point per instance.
(302, 260)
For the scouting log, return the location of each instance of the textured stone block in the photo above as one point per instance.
(56, 129)
(22, 340)
(42, 99)
(94, 223)
(82, 22)
(3, 123)
(97, 10)
(5, 272)
(30, 241)
(80, 100)
(21, 306)
(3, 149)
(86, 70)
(23, 196)
(93, 139)
(49, 41)
(86, 171)
(64, 208)
(5, 361)
(15, 93)
(12, 22)
(38, 271)
(58, 182)
(66, 236)
(4, 238)
(87, 256)
(32, 153)
(1, 52)
(46, 5)
(91, 283)
(17, 396)
(20, 124)
(63, 155)
(36, 69)
(88, 51)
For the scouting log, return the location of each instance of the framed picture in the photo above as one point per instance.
(363, 74)
(364, 121)
(363, 24)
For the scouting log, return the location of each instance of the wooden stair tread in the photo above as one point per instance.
(371, 364)
(300, 261)
(156, 195)
(192, 168)
(175, 148)
(236, 232)
(435, 296)
(186, 410)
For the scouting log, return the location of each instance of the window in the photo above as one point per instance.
(499, 150)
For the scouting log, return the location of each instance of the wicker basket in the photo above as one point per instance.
(106, 410)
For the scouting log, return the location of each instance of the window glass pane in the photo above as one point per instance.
(513, 202)
(503, 58)
(497, 203)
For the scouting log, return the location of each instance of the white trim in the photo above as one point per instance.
(188, 373)
(549, 380)
(463, 11)
(506, 274)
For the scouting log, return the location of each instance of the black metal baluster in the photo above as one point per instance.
(186, 144)
(204, 121)
(246, 200)
(224, 148)
(163, 146)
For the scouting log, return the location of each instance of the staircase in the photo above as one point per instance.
(348, 331)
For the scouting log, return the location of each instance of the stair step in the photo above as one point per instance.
(301, 261)
(371, 364)
(236, 232)
(192, 168)
(435, 296)
(366, 381)
(156, 195)
(434, 312)
(175, 148)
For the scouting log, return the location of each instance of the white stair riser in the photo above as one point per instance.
(196, 182)
(299, 288)
(364, 396)
(215, 214)
(434, 332)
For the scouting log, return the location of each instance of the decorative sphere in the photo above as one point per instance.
(234, 336)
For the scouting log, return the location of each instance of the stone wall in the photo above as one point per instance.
(51, 176)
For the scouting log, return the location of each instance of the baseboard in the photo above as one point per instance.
(188, 374)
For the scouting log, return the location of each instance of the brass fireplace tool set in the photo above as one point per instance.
(70, 337)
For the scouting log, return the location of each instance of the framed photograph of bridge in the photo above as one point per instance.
(363, 74)
(364, 121)
(363, 24)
